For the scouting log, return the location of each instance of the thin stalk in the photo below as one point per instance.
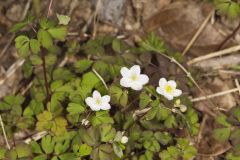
(45, 75)
(4, 133)
(228, 37)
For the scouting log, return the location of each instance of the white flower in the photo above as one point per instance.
(168, 89)
(124, 140)
(98, 102)
(85, 122)
(132, 78)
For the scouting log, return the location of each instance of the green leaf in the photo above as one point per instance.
(45, 23)
(107, 133)
(153, 43)
(17, 27)
(47, 144)
(74, 108)
(118, 45)
(35, 46)
(45, 38)
(117, 150)
(118, 96)
(59, 126)
(22, 44)
(23, 150)
(63, 19)
(36, 147)
(169, 154)
(221, 134)
(58, 33)
(2, 152)
(90, 136)
(101, 117)
(144, 100)
(83, 65)
(68, 156)
(90, 80)
(51, 59)
(85, 150)
(61, 147)
(40, 157)
(163, 137)
(35, 59)
(151, 145)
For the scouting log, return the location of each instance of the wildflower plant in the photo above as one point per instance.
(100, 107)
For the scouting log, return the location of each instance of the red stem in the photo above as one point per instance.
(45, 75)
(228, 37)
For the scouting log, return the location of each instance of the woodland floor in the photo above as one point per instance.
(175, 21)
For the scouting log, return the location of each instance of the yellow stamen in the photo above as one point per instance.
(98, 101)
(134, 77)
(168, 89)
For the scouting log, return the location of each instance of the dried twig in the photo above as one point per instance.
(203, 25)
(229, 37)
(223, 150)
(215, 95)
(100, 77)
(4, 133)
(215, 54)
(237, 84)
(98, 6)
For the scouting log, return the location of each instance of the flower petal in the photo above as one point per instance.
(96, 94)
(125, 82)
(162, 82)
(89, 101)
(135, 69)
(136, 86)
(106, 99)
(160, 90)
(172, 83)
(106, 106)
(143, 79)
(95, 107)
(168, 96)
(124, 72)
(177, 92)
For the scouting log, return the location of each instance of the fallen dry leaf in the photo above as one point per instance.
(178, 22)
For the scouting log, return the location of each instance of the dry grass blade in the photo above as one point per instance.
(198, 32)
(215, 54)
(215, 95)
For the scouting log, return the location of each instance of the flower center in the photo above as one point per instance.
(168, 89)
(98, 101)
(134, 77)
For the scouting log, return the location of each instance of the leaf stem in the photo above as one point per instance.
(45, 74)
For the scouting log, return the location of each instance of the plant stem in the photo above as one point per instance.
(45, 74)
(49, 8)
(4, 133)
(228, 37)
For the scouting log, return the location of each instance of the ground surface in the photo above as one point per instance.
(175, 21)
